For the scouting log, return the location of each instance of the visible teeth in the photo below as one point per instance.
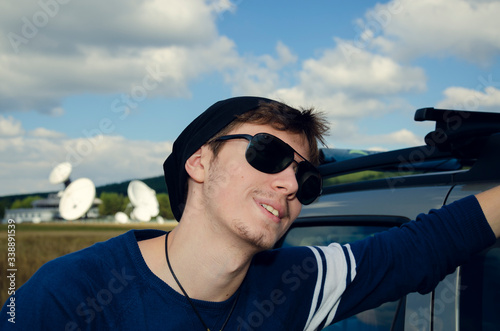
(271, 210)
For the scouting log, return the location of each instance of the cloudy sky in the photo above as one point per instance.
(108, 85)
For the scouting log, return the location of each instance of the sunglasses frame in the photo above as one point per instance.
(304, 171)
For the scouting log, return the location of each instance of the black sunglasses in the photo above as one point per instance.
(271, 155)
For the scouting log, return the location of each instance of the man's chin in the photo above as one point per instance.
(260, 240)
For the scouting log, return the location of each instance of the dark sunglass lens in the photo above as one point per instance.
(309, 181)
(268, 154)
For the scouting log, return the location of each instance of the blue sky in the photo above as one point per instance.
(109, 85)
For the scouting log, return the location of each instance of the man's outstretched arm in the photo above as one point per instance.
(490, 203)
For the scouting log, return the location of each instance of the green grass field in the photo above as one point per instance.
(40, 243)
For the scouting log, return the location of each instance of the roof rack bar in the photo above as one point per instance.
(459, 130)
(459, 134)
(455, 117)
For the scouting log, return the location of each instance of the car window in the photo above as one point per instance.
(323, 235)
(480, 291)
(379, 319)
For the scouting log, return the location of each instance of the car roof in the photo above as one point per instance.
(462, 149)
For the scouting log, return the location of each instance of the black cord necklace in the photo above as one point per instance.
(189, 299)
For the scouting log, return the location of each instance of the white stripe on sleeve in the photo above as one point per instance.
(330, 284)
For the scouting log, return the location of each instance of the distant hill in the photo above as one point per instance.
(156, 183)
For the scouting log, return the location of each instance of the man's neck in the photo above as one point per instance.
(208, 266)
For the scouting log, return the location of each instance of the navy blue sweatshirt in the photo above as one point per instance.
(108, 286)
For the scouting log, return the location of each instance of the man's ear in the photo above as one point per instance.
(195, 165)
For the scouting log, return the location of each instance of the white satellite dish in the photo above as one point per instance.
(121, 217)
(142, 213)
(160, 220)
(140, 194)
(143, 198)
(77, 199)
(60, 174)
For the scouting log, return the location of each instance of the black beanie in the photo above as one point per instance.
(195, 135)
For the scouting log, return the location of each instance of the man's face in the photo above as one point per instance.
(253, 206)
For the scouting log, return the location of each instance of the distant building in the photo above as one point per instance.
(45, 210)
(34, 215)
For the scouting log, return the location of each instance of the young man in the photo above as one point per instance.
(237, 177)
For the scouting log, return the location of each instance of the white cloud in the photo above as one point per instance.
(284, 57)
(469, 99)
(221, 6)
(107, 51)
(109, 159)
(10, 127)
(369, 75)
(353, 138)
(159, 48)
(340, 105)
(45, 133)
(409, 29)
(114, 24)
(40, 82)
(260, 75)
(402, 136)
(364, 85)
(26, 161)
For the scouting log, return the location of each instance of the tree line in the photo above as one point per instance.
(114, 197)
(112, 203)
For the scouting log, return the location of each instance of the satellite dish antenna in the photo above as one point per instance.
(142, 213)
(141, 194)
(143, 198)
(121, 217)
(60, 174)
(77, 199)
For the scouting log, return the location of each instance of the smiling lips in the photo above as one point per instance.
(270, 209)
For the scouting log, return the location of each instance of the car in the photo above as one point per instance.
(367, 192)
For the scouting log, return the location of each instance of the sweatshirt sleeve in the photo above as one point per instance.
(414, 257)
(42, 303)
(73, 292)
